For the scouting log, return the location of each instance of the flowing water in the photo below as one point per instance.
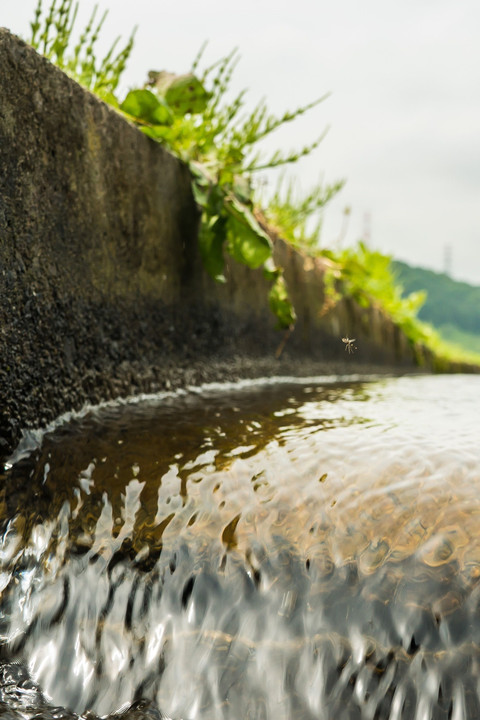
(278, 549)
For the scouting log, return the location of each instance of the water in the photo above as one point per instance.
(296, 549)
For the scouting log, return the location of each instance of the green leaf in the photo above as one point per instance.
(107, 96)
(200, 193)
(211, 239)
(270, 271)
(185, 94)
(206, 192)
(280, 303)
(160, 133)
(201, 187)
(144, 105)
(242, 188)
(247, 242)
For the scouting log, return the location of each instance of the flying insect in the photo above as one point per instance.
(349, 346)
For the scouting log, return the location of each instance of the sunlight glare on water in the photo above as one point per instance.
(295, 549)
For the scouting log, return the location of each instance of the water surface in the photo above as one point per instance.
(295, 549)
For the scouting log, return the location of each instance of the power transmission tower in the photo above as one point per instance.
(447, 260)
(367, 227)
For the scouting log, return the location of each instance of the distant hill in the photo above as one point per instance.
(452, 307)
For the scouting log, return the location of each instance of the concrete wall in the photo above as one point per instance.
(102, 292)
(97, 239)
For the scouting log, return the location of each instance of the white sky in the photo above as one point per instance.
(404, 113)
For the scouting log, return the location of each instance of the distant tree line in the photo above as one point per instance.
(448, 302)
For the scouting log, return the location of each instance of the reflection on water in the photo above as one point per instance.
(273, 550)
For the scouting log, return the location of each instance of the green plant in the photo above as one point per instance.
(218, 139)
(367, 276)
(192, 116)
(53, 36)
(207, 128)
(469, 342)
(299, 217)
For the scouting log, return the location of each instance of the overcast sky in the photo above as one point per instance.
(404, 114)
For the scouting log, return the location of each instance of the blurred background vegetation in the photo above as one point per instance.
(452, 307)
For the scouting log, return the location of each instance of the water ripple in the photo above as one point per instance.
(277, 550)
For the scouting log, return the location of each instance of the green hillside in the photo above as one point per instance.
(452, 307)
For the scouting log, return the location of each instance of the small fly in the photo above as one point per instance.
(349, 346)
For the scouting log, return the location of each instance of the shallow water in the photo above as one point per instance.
(296, 549)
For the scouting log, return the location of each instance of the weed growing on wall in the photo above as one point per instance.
(366, 275)
(218, 139)
(191, 115)
(297, 215)
(52, 36)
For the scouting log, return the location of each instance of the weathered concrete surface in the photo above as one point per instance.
(97, 226)
(102, 292)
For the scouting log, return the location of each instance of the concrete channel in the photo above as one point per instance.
(102, 290)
